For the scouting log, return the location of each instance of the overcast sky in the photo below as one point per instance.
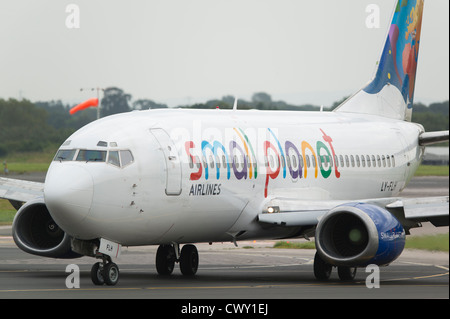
(186, 51)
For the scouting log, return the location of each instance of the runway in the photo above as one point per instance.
(253, 271)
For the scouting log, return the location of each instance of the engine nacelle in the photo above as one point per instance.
(35, 232)
(359, 234)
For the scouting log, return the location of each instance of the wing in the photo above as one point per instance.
(19, 191)
(409, 211)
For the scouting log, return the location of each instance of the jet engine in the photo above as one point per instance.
(359, 234)
(35, 232)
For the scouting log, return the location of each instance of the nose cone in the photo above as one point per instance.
(68, 195)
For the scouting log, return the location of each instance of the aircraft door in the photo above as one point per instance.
(173, 162)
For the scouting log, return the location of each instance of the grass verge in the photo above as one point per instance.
(7, 212)
(428, 242)
(20, 163)
(431, 170)
(295, 245)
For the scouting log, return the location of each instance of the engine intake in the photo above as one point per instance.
(35, 232)
(359, 234)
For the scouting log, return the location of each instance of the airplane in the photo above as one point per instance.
(176, 177)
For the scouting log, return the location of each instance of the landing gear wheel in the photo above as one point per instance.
(97, 274)
(111, 274)
(165, 259)
(189, 260)
(322, 270)
(347, 273)
(105, 272)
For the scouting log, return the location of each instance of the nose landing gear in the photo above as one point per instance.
(105, 272)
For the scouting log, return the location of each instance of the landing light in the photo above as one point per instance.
(273, 209)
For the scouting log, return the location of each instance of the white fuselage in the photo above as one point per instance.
(204, 175)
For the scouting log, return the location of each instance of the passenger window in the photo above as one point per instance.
(352, 159)
(368, 160)
(347, 161)
(379, 160)
(113, 158)
(341, 158)
(388, 160)
(126, 157)
(326, 161)
(393, 160)
(358, 163)
(363, 161)
(374, 163)
(217, 159)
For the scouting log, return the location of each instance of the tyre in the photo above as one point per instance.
(165, 260)
(97, 274)
(322, 270)
(189, 260)
(347, 273)
(111, 274)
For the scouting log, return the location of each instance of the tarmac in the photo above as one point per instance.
(253, 271)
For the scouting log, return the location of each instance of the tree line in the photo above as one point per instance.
(27, 126)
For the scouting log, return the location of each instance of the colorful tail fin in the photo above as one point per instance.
(391, 92)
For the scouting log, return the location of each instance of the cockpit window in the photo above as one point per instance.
(65, 155)
(113, 158)
(91, 156)
(118, 158)
(126, 157)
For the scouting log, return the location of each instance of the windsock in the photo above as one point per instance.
(84, 105)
